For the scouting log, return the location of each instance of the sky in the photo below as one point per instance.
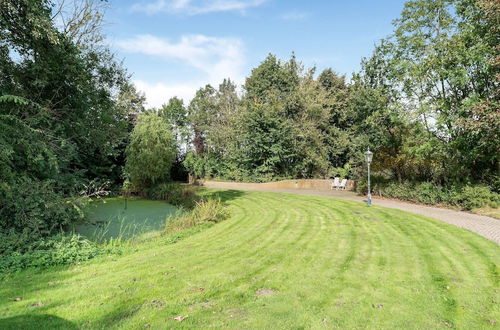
(174, 47)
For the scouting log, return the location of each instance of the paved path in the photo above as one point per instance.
(482, 225)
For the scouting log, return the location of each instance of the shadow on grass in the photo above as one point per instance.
(225, 195)
(33, 321)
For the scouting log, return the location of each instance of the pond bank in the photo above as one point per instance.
(123, 218)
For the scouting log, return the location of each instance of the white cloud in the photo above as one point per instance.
(159, 93)
(214, 58)
(218, 58)
(195, 7)
(294, 16)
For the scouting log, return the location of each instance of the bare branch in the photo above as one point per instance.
(81, 21)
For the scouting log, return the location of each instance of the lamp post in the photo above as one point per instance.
(368, 158)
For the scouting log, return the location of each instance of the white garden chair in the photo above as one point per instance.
(335, 183)
(342, 184)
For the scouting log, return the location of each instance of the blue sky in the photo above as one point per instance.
(173, 47)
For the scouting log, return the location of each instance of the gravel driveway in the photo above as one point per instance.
(482, 225)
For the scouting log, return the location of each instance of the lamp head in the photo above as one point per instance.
(368, 156)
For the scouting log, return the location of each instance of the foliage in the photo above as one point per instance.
(36, 207)
(342, 172)
(284, 126)
(272, 77)
(175, 113)
(151, 152)
(271, 152)
(426, 102)
(426, 118)
(471, 197)
(195, 164)
(462, 196)
(174, 193)
(208, 210)
(439, 71)
(63, 119)
(56, 250)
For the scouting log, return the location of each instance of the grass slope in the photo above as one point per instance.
(280, 261)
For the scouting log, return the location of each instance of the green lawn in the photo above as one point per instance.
(279, 261)
(124, 218)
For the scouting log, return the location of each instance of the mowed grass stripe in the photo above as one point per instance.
(323, 262)
(445, 273)
(287, 233)
(462, 262)
(435, 265)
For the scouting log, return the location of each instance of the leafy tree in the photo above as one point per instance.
(226, 120)
(272, 77)
(78, 88)
(201, 112)
(174, 112)
(151, 151)
(63, 122)
(442, 57)
(337, 127)
(268, 149)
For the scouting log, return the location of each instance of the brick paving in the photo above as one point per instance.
(485, 226)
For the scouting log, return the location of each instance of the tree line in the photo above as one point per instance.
(426, 102)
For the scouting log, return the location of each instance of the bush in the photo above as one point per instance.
(174, 193)
(342, 172)
(14, 241)
(464, 197)
(378, 182)
(205, 211)
(36, 206)
(471, 197)
(56, 250)
(425, 192)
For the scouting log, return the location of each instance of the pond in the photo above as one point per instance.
(123, 218)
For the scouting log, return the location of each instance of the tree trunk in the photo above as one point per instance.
(198, 141)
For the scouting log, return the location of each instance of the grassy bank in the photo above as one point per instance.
(279, 261)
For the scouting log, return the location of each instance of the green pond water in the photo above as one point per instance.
(124, 218)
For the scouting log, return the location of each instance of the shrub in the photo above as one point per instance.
(205, 211)
(56, 250)
(429, 193)
(425, 192)
(378, 182)
(36, 206)
(471, 197)
(465, 197)
(14, 241)
(174, 193)
(343, 172)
